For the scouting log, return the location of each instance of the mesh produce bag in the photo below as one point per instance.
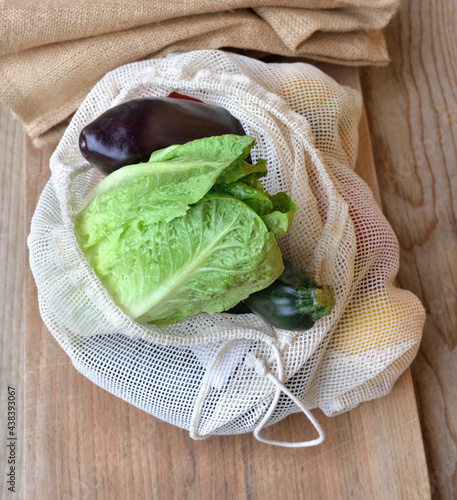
(227, 373)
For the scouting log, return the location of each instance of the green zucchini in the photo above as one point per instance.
(293, 301)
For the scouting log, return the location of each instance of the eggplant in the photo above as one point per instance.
(128, 133)
(293, 301)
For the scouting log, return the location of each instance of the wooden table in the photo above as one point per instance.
(81, 442)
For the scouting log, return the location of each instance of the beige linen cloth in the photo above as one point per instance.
(52, 52)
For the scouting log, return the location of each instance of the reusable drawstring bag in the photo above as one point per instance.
(226, 373)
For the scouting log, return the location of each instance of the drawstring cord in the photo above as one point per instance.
(260, 368)
(204, 391)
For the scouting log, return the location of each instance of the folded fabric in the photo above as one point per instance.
(52, 53)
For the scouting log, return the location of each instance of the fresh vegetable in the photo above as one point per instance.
(371, 321)
(175, 95)
(174, 236)
(128, 133)
(327, 107)
(293, 301)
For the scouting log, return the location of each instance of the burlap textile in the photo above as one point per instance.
(53, 52)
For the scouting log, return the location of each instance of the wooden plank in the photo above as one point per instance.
(82, 442)
(412, 110)
(12, 275)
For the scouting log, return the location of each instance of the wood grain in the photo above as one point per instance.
(12, 275)
(81, 442)
(412, 110)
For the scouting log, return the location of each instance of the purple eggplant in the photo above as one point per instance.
(128, 133)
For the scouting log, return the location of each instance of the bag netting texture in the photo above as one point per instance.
(199, 374)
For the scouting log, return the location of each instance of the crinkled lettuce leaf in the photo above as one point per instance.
(242, 169)
(279, 219)
(259, 201)
(172, 180)
(276, 211)
(185, 232)
(218, 253)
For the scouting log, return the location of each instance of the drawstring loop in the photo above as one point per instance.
(260, 367)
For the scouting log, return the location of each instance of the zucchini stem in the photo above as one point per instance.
(316, 301)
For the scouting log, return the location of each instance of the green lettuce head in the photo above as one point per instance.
(190, 231)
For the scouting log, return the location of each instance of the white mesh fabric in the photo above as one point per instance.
(194, 374)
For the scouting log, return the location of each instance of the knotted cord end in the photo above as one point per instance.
(258, 364)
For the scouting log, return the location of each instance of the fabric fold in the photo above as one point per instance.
(52, 54)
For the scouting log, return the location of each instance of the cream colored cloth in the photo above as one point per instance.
(53, 52)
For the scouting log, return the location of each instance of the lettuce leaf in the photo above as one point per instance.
(279, 219)
(242, 169)
(259, 201)
(171, 238)
(276, 211)
(206, 261)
